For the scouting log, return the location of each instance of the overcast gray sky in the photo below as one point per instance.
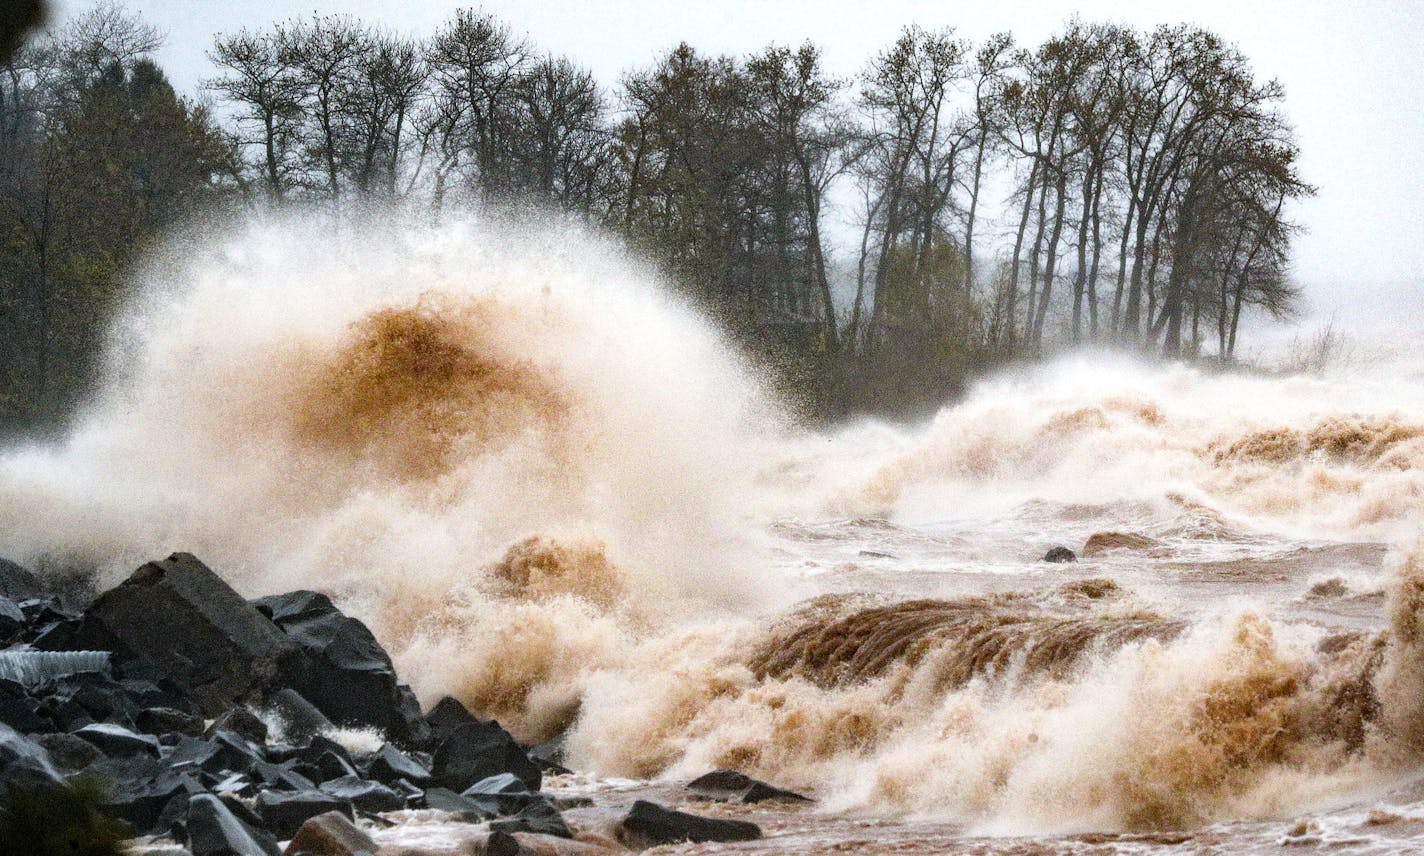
(1353, 72)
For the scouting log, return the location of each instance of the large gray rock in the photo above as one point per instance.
(652, 824)
(213, 830)
(18, 584)
(478, 750)
(342, 670)
(331, 834)
(181, 617)
(733, 786)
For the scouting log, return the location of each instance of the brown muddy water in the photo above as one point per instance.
(554, 492)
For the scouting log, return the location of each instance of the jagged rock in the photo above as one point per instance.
(12, 618)
(284, 814)
(330, 834)
(236, 752)
(539, 817)
(143, 804)
(504, 794)
(69, 753)
(282, 777)
(325, 759)
(367, 796)
(464, 808)
(197, 755)
(549, 755)
(445, 717)
(241, 810)
(652, 824)
(502, 844)
(412, 729)
(77, 700)
(166, 720)
(390, 765)
(18, 584)
(19, 710)
(732, 786)
(478, 750)
(194, 629)
(301, 721)
(1060, 555)
(25, 764)
(213, 830)
(342, 670)
(145, 692)
(117, 741)
(242, 722)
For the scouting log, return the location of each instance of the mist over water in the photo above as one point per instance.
(554, 491)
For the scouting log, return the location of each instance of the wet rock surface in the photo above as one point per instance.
(212, 723)
(651, 824)
(733, 786)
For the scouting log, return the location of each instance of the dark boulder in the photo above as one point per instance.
(539, 816)
(478, 750)
(503, 844)
(284, 814)
(342, 670)
(69, 753)
(464, 808)
(502, 795)
(195, 630)
(367, 796)
(19, 710)
(166, 720)
(300, 720)
(25, 764)
(1060, 555)
(325, 759)
(86, 697)
(445, 717)
(213, 830)
(410, 727)
(549, 755)
(197, 755)
(391, 765)
(652, 824)
(116, 741)
(143, 803)
(732, 786)
(284, 777)
(12, 619)
(18, 584)
(242, 722)
(331, 834)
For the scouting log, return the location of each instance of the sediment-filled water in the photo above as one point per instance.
(554, 491)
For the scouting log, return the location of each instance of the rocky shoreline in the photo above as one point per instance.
(170, 712)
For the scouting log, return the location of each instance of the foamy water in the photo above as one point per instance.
(555, 492)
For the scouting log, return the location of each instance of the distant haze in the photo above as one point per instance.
(1352, 71)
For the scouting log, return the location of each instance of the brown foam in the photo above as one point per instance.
(1104, 542)
(414, 388)
(1349, 439)
(540, 567)
(970, 637)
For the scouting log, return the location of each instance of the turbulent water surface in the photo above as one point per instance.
(554, 492)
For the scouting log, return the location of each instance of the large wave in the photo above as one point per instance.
(550, 488)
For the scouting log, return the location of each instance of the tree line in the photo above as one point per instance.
(877, 239)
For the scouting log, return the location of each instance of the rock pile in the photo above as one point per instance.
(162, 689)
